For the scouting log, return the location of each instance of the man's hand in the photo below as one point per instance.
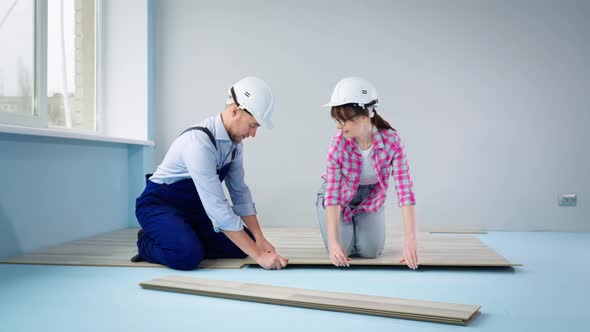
(410, 253)
(265, 246)
(271, 261)
(337, 254)
(269, 258)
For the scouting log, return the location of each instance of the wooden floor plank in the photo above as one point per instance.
(303, 246)
(314, 299)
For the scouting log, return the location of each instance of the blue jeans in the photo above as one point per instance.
(365, 235)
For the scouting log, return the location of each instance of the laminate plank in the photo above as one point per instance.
(314, 299)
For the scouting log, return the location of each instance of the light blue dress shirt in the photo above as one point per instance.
(193, 155)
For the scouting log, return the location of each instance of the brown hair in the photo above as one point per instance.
(348, 111)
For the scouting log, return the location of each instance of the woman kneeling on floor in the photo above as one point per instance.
(362, 156)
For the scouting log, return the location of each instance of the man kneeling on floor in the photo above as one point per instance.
(183, 212)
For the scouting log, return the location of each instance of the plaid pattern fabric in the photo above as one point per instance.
(343, 171)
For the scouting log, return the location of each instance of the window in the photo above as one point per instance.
(17, 60)
(76, 69)
(48, 63)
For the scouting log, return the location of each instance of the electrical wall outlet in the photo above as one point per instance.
(567, 199)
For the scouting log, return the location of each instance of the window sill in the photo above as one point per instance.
(71, 134)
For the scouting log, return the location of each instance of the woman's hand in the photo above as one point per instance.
(337, 254)
(410, 252)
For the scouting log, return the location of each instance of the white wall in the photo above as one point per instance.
(491, 98)
(123, 63)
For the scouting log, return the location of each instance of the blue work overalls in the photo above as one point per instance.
(177, 231)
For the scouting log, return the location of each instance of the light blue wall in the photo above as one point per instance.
(140, 160)
(55, 190)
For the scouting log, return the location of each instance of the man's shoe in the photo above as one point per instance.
(137, 258)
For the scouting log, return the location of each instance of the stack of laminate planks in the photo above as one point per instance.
(438, 312)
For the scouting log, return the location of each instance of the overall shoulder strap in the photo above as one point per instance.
(205, 130)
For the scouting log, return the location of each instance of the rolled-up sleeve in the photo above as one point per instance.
(333, 175)
(237, 188)
(401, 175)
(200, 162)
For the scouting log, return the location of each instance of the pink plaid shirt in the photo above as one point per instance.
(343, 171)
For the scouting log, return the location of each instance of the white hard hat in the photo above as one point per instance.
(253, 95)
(353, 90)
